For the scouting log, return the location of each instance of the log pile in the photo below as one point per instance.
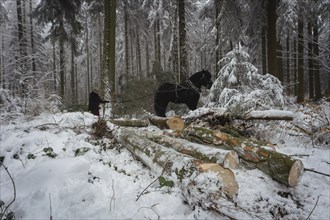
(200, 160)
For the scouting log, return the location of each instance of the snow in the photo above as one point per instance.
(270, 113)
(104, 184)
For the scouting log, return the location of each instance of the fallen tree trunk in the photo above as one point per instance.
(280, 167)
(269, 115)
(174, 123)
(228, 159)
(201, 183)
(220, 116)
(130, 122)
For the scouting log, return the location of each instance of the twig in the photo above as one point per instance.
(313, 208)
(299, 155)
(50, 208)
(12, 180)
(311, 170)
(147, 187)
(152, 182)
(113, 198)
(151, 207)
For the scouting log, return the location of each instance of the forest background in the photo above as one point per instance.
(58, 51)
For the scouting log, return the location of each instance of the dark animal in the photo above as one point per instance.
(187, 92)
(94, 102)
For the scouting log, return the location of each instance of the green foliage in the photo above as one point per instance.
(81, 151)
(164, 182)
(49, 152)
(2, 203)
(31, 156)
(9, 215)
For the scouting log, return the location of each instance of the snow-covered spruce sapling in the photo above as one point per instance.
(240, 87)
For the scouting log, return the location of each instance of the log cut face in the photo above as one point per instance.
(280, 167)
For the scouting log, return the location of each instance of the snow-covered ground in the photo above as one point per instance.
(105, 181)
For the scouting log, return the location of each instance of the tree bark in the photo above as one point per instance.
(227, 159)
(62, 61)
(72, 82)
(271, 38)
(173, 123)
(310, 62)
(301, 90)
(112, 52)
(316, 52)
(182, 41)
(280, 167)
(190, 174)
(126, 43)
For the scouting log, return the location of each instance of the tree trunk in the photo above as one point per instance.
(280, 167)
(279, 59)
(54, 69)
(72, 82)
(34, 68)
(264, 43)
(126, 43)
(316, 65)
(112, 52)
(87, 56)
(62, 63)
(271, 38)
(288, 62)
(184, 170)
(310, 62)
(174, 50)
(217, 37)
(2, 71)
(301, 89)
(295, 67)
(138, 53)
(109, 54)
(22, 46)
(182, 41)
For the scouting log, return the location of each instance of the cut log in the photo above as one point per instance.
(184, 170)
(174, 123)
(269, 115)
(280, 167)
(130, 122)
(228, 159)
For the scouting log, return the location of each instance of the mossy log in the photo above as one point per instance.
(130, 122)
(280, 167)
(227, 159)
(183, 170)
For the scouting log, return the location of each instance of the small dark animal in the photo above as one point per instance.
(94, 102)
(187, 92)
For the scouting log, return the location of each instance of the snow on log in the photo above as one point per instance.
(228, 159)
(269, 115)
(184, 170)
(280, 167)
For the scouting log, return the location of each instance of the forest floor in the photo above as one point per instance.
(61, 171)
